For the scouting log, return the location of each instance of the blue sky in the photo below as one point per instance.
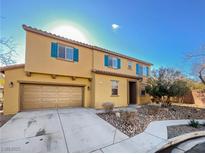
(158, 31)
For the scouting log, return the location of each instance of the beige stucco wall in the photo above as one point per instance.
(12, 95)
(38, 57)
(145, 99)
(98, 63)
(103, 87)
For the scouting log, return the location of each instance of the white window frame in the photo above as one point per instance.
(66, 53)
(129, 65)
(109, 61)
(59, 52)
(67, 58)
(112, 62)
(144, 71)
(114, 88)
(143, 90)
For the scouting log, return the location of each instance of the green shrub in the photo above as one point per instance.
(108, 106)
(194, 123)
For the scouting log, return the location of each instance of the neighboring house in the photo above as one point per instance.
(60, 72)
(1, 89)
(199, 97)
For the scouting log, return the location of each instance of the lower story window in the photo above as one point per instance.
(115, 87)
(143, 92)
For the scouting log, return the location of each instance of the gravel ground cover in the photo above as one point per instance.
(4, 118)
(173, 131)
(135, 122)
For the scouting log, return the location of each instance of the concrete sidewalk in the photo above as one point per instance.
(151, 140)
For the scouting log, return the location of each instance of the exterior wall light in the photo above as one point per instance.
(11, 84)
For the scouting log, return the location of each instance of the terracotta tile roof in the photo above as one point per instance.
(45, 33)
(2, 69)
(116, 74)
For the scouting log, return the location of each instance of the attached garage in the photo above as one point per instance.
(34, 96)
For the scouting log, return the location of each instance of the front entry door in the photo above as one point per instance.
(132, 93)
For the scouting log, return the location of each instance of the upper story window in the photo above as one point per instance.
(142, 70)
(129, 65)
(64, 52)
(145, 71)
(115, 87)
(139, 69)
(112, 62)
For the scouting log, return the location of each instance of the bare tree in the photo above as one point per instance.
(198, 61)
(7, 51)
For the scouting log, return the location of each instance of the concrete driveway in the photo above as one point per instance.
(58, 130)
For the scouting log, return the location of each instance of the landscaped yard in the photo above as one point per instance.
(135, 122)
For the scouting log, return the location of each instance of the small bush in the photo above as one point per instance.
(153, 111)
(194, 123)
(108, 106)
(128, 117)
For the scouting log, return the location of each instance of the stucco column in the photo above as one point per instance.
(138, 91)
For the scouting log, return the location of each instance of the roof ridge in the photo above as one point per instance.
(25, 27)
(32, 29)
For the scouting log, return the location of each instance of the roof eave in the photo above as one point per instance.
(10, 67)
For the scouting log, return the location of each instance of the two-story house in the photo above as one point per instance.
(60, 72)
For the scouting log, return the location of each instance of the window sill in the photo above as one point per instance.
(115, 95)
(142, 95)
(65, 60)
(113, 68)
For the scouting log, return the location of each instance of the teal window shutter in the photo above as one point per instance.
(118, 63)
(106, 60)
(137, 69)
(54, 49)
(75, 55)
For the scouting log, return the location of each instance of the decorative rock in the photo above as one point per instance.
(117, 114)
(132, 124)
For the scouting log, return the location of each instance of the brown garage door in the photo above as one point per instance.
(50, 96)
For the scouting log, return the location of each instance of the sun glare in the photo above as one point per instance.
(70, 32)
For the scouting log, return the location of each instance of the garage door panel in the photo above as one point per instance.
(50, 96)
(72, 104)
(31, 106)
(49, 105)
(36, 100)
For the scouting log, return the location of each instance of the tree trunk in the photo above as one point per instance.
(168, 101)
(201, 76)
